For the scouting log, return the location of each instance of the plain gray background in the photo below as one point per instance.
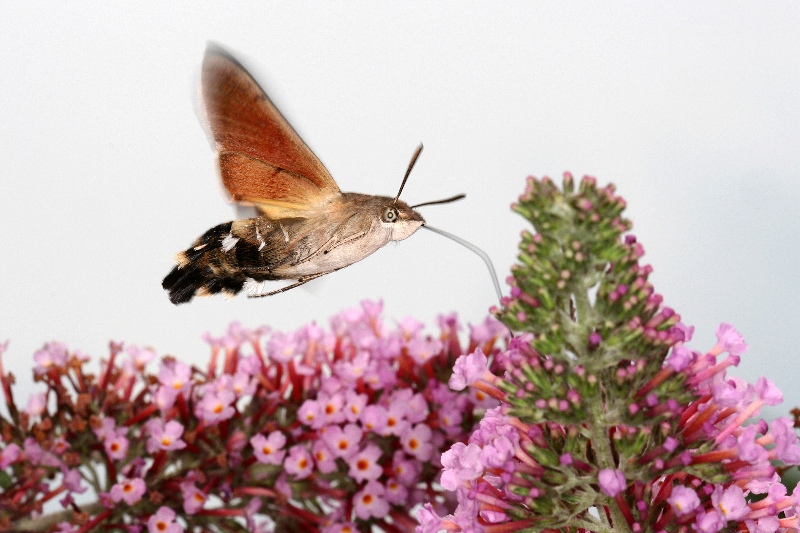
(692, 110)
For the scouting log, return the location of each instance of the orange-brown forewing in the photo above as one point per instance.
(262, 159)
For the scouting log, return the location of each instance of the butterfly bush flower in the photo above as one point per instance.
(607, 419)
(337, 429)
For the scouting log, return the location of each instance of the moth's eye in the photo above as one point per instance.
(389, 214)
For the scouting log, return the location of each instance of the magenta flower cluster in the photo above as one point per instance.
(314, 430)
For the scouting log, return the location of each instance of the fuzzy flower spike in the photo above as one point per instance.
(608, 420)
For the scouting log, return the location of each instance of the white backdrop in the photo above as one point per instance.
(691, 110)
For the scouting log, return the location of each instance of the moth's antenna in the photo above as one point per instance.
(475, 249)
(445, 201)
(410, 166)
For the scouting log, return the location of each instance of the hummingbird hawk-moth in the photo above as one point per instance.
(306, 226)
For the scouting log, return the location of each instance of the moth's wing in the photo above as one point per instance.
(262, 160)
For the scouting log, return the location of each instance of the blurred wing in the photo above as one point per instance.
(262, 160)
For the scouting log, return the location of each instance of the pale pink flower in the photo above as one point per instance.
(371, 501)
(269, 450)
(299, 462)
(129, 490)
(163, 522)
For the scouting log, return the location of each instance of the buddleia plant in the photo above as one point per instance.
(608, 419)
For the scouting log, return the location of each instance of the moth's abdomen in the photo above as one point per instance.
(198, 269)
(216, 263)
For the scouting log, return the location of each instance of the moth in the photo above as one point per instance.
(306, 226)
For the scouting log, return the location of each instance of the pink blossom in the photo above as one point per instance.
(430, 522)
(193, 498)
(468, 369)
(163, 522)
(768, 524)
(129, 490)
(299, 462)
(686, 332)
(165, 436)
(410, 327)
(487, 331)
(175, 375)
(612, 482)
(729, 340)
(396, 493)
(9, 455)
(116, 444)
(74, 482)
(331, 408)
(730, 502)
(37, 455)
(36, 404)
(768, 392)
(786, 448)
(396, 423)
(679, 357)
(683, 500)
(324, 458)
(283, 347)
(52, 355)
(215, 406)
(416, 441)
(749, 449)
(709, 521)
(310, 414)
(364, 463)
(354, 405)
(371, 501)
(461, 463)
(421, 350)
(351, 370)
(164, 398)
(242, 384)
(407, 471)
(140, 356)
(415, 406)
(374, 418)
(340, 527)
(380, 375)
(731, 392)
(343, 442)
(107, 427)
(268, 450)
(450, 417)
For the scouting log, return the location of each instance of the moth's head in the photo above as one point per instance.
(401, 219)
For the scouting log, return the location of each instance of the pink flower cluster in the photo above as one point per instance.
(310, 430)
(711, 473)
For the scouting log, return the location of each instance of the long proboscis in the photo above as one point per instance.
(483, 255)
